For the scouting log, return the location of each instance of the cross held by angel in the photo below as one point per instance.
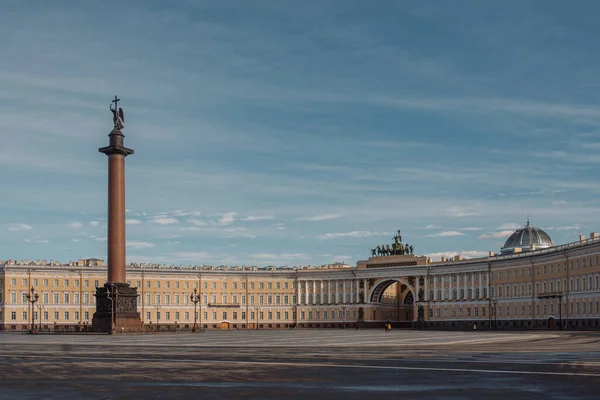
(118, 117)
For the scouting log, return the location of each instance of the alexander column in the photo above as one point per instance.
(116, 301)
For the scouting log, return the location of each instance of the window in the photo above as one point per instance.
(55, 298)
(56, 315)
(168, 315)
(66, 315)
(13, 315)
(243, 314)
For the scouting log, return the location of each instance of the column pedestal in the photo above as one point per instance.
(121, 298)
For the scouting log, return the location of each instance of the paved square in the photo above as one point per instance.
(303, 364)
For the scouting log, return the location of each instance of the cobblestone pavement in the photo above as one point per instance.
(319, 364)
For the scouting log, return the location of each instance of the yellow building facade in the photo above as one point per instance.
(537, 288)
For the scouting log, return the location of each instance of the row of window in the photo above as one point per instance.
(508, 310)
(554, 286)
(55, 282)
(213, 285)
(455, 294)
(574, 265)
(468, 276)
(88, 298)
(46, 316)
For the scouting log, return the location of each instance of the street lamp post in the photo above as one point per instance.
(40, 310)
(257, 308)
(157, 306)
(344, 308)
(195, 299)
(32, 297)
(495, 303)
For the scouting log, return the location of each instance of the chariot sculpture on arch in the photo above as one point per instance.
(118, 117)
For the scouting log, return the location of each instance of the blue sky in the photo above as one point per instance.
(296, 133)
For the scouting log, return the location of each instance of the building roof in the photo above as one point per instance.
(527, 238)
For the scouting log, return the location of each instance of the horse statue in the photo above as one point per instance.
(407, 249)
(411, 250)
(378, 249)
(389, 250)
(373, 251)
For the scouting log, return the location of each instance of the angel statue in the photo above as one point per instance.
(118, 117)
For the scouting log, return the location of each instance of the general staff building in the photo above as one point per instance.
(531, 283)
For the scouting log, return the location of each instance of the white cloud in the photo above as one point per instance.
(94, 223)
(132, 221)
(139, 245)
(461, 212)
(182, 213)
(19, 227)
(564, 228)
(431, 227)
(511, 225)
(164, 221)
(191, 228)
(42, 241)
(354, 234)
(227, 218)
(319, 217)
(197, 222)
(470, 229)
(257, 217)
(100, 239)
(463, 253)
(75, 225)
(446, 233)
(495, 235)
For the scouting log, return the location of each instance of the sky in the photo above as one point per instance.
(298, 133)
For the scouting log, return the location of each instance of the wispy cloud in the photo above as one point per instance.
(352, 234)
(227, 218)
(319, 217)
(132, 221)
(496, 235)
(94, 224)
(139, 245)
(164, 221)
(75, 225)
(257, 218)
(19, 227)
(446, 233)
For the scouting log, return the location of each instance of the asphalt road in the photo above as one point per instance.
(315, 364)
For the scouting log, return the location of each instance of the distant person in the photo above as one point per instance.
(389, 327)
(474, 326)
